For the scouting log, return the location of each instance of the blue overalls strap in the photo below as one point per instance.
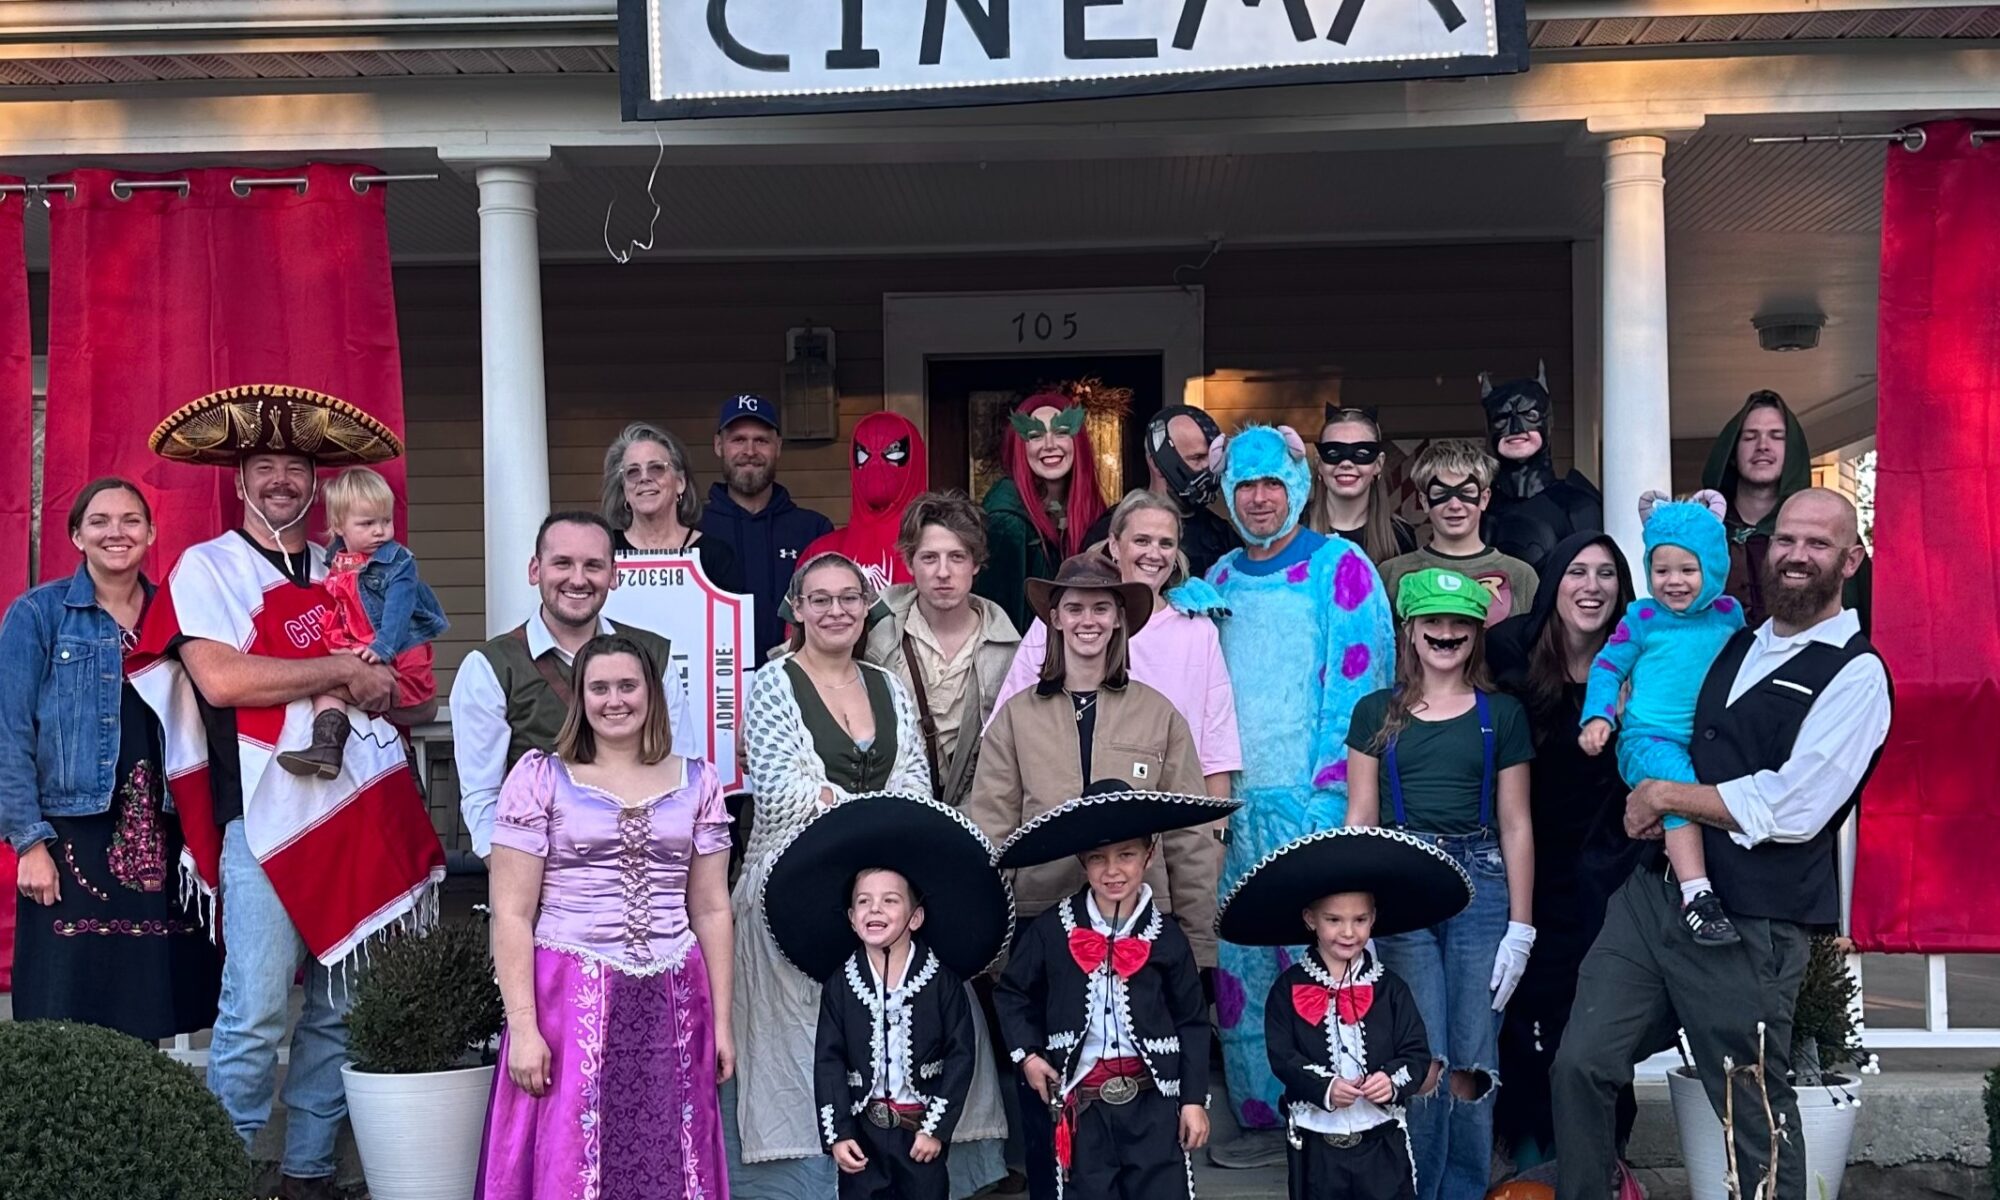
(1487, 749)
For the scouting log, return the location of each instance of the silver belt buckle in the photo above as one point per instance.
(881, 1116)
(1342, 1141)
(1119, 1089)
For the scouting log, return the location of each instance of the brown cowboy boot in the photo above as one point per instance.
(329, 744)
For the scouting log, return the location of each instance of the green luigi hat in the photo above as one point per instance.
(1436, 592)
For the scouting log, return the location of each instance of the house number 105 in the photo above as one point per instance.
(1044, 327)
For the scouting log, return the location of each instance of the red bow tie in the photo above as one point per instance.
(1311, 1001)
(1089, 947)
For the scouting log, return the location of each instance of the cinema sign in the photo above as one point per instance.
(710, 58)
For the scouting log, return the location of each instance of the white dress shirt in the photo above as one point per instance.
(1107, 1032)
(1346, 1050)
(480, 733)
(1844, 727)
(898, 1072)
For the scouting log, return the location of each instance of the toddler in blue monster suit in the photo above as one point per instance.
(1664, 646)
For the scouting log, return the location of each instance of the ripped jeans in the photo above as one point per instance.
(1449, 969)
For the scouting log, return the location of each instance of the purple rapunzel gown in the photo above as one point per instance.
(621, 995)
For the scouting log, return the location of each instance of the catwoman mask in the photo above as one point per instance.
(1358, 453)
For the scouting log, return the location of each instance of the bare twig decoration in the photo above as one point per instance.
(1767, 1187)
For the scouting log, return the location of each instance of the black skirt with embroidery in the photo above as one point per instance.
(119, 948)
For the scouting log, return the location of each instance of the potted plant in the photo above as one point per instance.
(420, 1036)
(85, 1111)
(1824, 1037)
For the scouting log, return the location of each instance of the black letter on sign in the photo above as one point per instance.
(989, 25)
(737, 52)
(1077, 44)
(851, 56)
(1302, 21)
(1184, 33)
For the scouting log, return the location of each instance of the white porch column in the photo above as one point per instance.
(1638, 433)
(514, 425)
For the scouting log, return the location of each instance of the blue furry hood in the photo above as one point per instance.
(1695, 527)
(1266, 452)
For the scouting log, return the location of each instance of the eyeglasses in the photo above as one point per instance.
(1358, 453)
(821, 603)
(654, 471)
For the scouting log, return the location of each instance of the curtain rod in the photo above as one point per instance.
(1911, 139)
(123, 188)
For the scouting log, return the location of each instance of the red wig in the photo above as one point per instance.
(1085, 505)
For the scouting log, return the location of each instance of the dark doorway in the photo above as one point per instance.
(968, 399)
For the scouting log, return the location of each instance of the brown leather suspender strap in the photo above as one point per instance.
(924, 714)
(550, 675)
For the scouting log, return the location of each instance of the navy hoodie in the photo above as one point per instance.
(767, 545)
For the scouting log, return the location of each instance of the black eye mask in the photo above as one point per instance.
(1447, 645)
(1358, 453)
(1438, 494)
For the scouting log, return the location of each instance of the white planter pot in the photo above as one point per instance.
(419, 1134)
(1828, 1132)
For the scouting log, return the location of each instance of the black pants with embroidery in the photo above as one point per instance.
(1380, 1168)
(891, 1173)
(1129, 1152)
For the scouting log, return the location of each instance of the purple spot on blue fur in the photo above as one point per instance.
(1605, 664)
(1222, 576)
(1258, 1115)
(1620, 635)
(1331, 774)
(1645, 612)
(1724, 604)
(1284, 959)
(1611, 710)
(1354, 663)
(1228, 999)
(1297, 572)
(1322, 674)
(1353, 579)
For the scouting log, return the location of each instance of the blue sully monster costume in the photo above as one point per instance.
(1310, 632)
(1666, 654)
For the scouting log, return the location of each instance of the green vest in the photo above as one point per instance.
(535, 713)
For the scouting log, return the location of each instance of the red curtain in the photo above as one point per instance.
(158, 298)
(1930, 820)
(17, 432)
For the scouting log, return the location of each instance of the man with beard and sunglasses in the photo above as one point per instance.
(1788, 726)
(1177, 445)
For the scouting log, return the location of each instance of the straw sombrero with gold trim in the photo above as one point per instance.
(222, 427)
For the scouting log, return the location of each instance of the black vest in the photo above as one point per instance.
(1797, 882)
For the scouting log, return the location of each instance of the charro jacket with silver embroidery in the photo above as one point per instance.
(1043, 1000)
(929, 1015)
(1392, 1038)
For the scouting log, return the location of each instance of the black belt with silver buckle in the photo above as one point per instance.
(1117, 1091)
(1342, 1141)
(883, 1115)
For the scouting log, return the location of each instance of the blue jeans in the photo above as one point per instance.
(1449, 968)
(264, 954)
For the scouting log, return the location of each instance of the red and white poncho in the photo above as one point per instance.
(347, 857)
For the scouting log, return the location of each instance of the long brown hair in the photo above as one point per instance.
(577, 742)
(1548, 658)
(1408, 692)
(1378, 531)
(1117, 655)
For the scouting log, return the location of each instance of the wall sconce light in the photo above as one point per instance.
(1788, 331)
(810, 398)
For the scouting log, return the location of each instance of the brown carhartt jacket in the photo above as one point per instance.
(1029, 763)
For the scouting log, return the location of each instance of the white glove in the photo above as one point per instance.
(1511, 962)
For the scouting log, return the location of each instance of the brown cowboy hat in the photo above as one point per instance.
(1095, 573)
(222, 428)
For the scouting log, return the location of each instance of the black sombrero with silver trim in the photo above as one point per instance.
(222, 428)
(1109, 811)
(969, 909)
(1415, 885)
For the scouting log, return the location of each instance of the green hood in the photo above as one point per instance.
(1720, 473)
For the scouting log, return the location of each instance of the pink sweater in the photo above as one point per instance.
(1176, 655)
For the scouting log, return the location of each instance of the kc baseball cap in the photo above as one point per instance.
(749, 405)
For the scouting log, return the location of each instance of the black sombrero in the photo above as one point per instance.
(1108, 812)
(223, 427)
(970, 909)
(1415, 884)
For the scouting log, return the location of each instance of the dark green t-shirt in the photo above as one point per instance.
(1442, 761)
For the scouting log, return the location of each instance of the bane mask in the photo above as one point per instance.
(1193, 488)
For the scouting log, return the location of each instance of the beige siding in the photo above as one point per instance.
(1405, 329)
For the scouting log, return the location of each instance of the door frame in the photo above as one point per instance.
(920, 326)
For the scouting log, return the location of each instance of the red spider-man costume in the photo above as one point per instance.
(891, 467)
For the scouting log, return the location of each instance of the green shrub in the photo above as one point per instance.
(89, 1112)
(1823, 1033)
(427, 1002)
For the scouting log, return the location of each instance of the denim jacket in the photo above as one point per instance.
(61, 670)
(401, 607)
